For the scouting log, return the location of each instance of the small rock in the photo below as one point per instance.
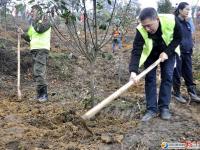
(107, 139)
(118, 138)
(72, 146)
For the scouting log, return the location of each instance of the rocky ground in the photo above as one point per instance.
(56, 124)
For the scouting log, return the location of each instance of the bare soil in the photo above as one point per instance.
(29, 125)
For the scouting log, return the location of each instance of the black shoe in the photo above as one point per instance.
(194, 97)
(165, 114)
(179, 98)
(42, 95)
(43, 98)
(193, 94)
(148, 116)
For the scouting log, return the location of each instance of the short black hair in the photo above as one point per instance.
(148, 12)
(181, 6)
(37, 7)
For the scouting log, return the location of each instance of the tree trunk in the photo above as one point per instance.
(91, 101)
(92, 84)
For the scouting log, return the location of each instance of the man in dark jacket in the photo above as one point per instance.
(157, 36)
(39, 34)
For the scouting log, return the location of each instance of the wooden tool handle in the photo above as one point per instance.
(18, 67)
(117, 93)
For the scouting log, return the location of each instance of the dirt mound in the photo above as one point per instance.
(8, 61)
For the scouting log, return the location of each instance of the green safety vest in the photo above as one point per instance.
(167, 22)
(39, 40)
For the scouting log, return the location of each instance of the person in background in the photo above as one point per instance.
(39, 34)
(198, 18)
(117, 39)
(190, 20)
(157, 36)
(184, 61)
(29, 17)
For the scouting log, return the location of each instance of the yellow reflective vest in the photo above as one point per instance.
(39, 40)
(167, 22)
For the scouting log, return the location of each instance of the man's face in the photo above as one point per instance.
(150, 25)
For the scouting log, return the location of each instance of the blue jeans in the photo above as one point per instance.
(116, 42)
(167, 68)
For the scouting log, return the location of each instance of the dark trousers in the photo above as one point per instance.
(39, 67)
(167, 68)
(183, 69)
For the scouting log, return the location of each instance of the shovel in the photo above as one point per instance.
(117, 93)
